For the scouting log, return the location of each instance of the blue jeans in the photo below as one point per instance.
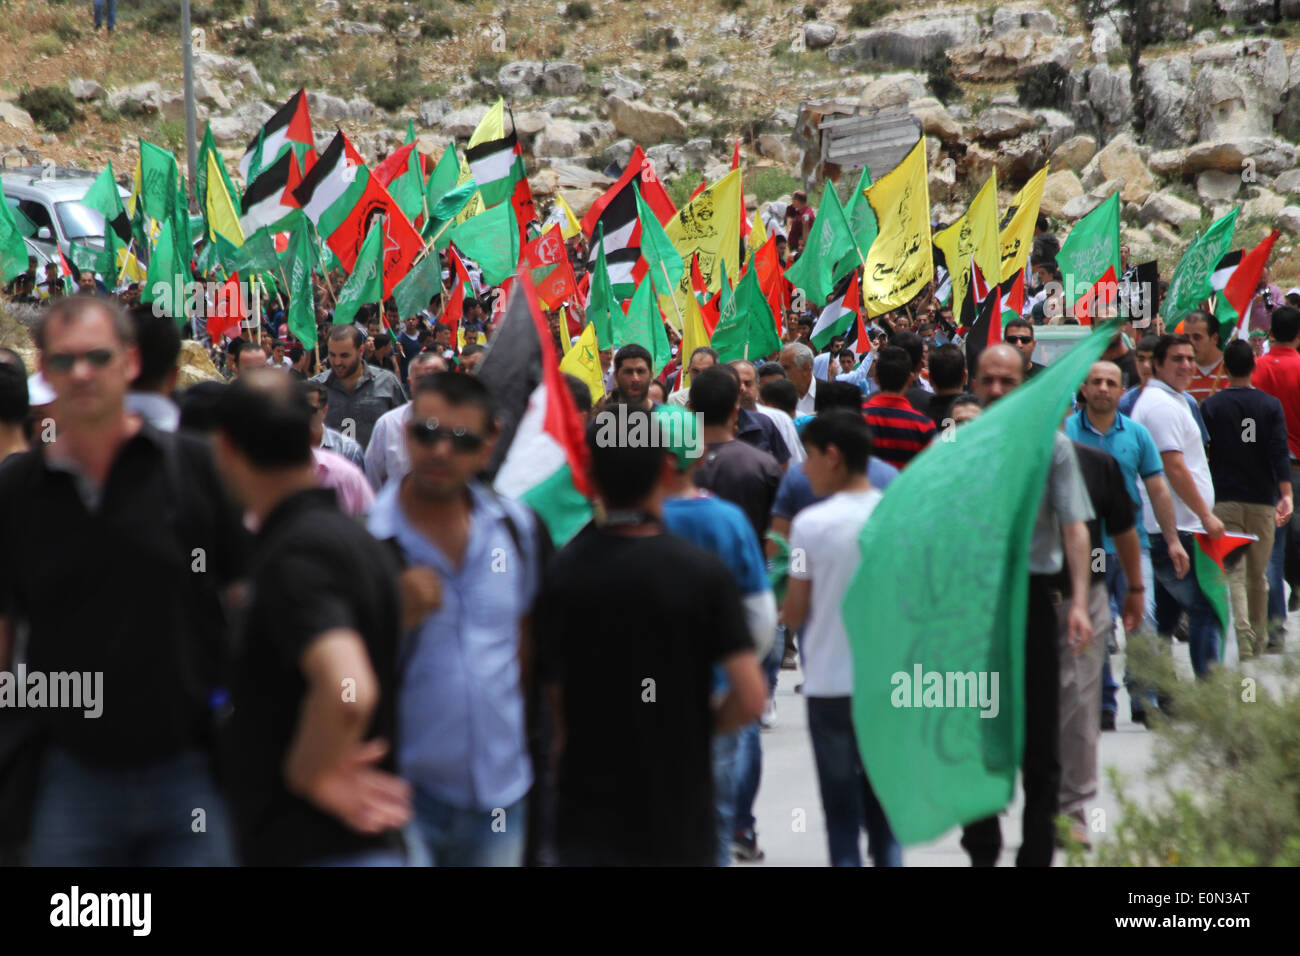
(99, 13)
(1203, 624)
(724, 791)
(1117, 586)
(749, 754)
(1276, 589)
(848, 802)
(457, 836)
(88, 816)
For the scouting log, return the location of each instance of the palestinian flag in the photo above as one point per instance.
(495, 157)
(541, 456)
(986, 329)
(289, 128)
(839, 314)
(400, 175)
(1232, 307)
(341, 199)
(267, 199)
(1211, 576)
(616, 210)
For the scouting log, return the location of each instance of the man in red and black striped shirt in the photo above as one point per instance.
(899, 431)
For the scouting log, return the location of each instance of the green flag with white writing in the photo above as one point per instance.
(829, 241)
(862, 225)
(1191, 285)
(366, 284)
(745, 329)
(1091, 248)
(939, 656)
(419, 285)
(302, 302)
(643, 325)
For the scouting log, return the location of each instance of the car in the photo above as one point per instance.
(50, 197)
(1053, 341)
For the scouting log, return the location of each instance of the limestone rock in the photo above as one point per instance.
(1288, 219)
(1288, 182)
(935, 119)
(559, 138)
(909, 43)
(780, 148)
(1074, 153)
(1215, 186)
(644, 123)
(85, 89)
(892, 89)
(143, 99)
(1058, 189)
(1120, 159)
(1003, 122)
(1165, 207)
(818, 35)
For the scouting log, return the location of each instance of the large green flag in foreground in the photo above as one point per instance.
(954, 603)
(1191, 285)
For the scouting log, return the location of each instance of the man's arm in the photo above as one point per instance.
(1162, 505)
(798, 597)
(1078, 551)
(1129, 550)
(327, 763)
(746, 694)
(1180, 479)
(1281, 455)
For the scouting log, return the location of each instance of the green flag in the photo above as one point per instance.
(410, 132)
(1190, 285)
(600, 299)
(907, 616)
(302, 303)
(164, 284)
(103, 197)
(491, 239)
(745, 329)
(829, 241)
(443, 177)
(1089, 250)
(657, 249)
(448, 207)
(13, 251)
(644, 326)
(257, 254)
(420, 285)
(366, 284)
(862, 225)
(159, 178)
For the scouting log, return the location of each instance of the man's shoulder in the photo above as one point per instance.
(710, 509)
(324, 377)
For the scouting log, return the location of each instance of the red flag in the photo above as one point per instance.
(227, 313)
(709, 310)
(704, 184)
(548, 259)
(353, 156)
(454, 310)
(772, 281)
(395, 165)
(735, 156)
(744, 223)
(1105, 290)
(1244, 283)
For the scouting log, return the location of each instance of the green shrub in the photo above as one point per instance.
(107, 113)
(1042, 86)
(436, 28)
(51, 107)
(47, 44)
(938, 76)
(675, 61)
(731, 4)
(863, 13)
(770, 182)
(392, 18)
(577, 10)
(681, 187)
(393, 96)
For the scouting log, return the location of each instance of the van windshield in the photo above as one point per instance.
(79, 221)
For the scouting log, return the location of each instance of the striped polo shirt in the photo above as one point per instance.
(898, 430)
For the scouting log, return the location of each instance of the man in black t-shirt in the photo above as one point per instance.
(628, 637)
(314, 687)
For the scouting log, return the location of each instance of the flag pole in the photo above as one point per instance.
(681, 322)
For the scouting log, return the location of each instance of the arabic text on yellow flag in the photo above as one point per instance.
(900, 261)
(974, 234)
(1017, 235)
(221, 214)
(570, 227)
(709, 225)
(583, 361)
(757, 233)
(694, 336)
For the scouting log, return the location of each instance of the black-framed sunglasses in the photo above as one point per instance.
(429, 433)
(63, 362)
(1020, 339)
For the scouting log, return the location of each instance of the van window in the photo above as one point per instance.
(38, 214)
(79, 220)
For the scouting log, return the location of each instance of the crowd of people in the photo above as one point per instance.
(318, 622)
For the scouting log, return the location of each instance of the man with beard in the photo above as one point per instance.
(359, 392)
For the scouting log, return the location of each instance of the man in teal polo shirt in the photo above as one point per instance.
(1101, 425)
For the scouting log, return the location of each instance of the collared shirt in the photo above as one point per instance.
(1065, 500)
(461, 735)
(1130, 398)
(1278, 373)
(386, 455)
(341, 444)
(785, 425)
(1164, 412)
(1132, 447)
(808, 404)
(759, 431)
(346, 479)
(376, 392)
(158, 410)
(899, 432)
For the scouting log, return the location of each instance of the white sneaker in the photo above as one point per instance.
(768, 718)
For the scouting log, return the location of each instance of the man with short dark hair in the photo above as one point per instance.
(159, 343)
(385, 456)
(702, 358)
(778, 392)
(461, 719)
(109, 503)
(1162, 409)
(247, 356)
(948, 376)
(731, 469)
(899, 431)
(1252, 482)
(632, 790)
(633, 370)
(917, 394)
(471, 356)
(1020, 333)
(754, 428)
(312, 769)
(1202, 329)
(359, 392)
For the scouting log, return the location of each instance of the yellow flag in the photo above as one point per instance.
(570, 227)
(1017, 235)
(974, 234)
(583, 361)
(566, 346)
(709, 225)
(694, 336)
(492, 126)
(137, 185)
(222, 217)
(757, 232)
(900, 261)
(475, 204)
(460, 336)
(129, 267)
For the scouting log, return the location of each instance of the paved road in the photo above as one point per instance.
(789, 783)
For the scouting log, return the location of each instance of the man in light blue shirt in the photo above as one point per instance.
(462, 737)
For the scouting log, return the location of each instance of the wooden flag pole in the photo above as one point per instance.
(681, 322)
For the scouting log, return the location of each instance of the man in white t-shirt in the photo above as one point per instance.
(1163, 410)
(824, 557)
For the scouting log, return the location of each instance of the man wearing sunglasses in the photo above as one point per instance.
(1020, 333)
(461, 727)
(104, 531)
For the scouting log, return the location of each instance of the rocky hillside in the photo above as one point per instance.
(1211, 121)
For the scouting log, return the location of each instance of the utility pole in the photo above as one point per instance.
(187, 66)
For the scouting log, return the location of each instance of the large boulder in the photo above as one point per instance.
(1055, 127)
(1239, 88)
(1120, 159)
(1214, 186)
(581, 200)
(519, 80)
(1287, 122)
(461, 123)
(1074, 153)
(818, 35)
(909, 43)
(617, 84)
(1264, 204)
(1003, 58)
(85, 89)
(780, 148)
(1168, 101)
(935, 119)
(563, 79)
(1008, 19)
(1289, 219)
(208, 91)
(643, 122)
(1020, 158)
(1058, 189)
(1003, 122)
(1288, 182)
(1165, 207)
(1080, 206)
(1109, 99)
(143, 99)
(1247, 156)
(892, 89)
(559, 138)
(431, 112)
(327, 106)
